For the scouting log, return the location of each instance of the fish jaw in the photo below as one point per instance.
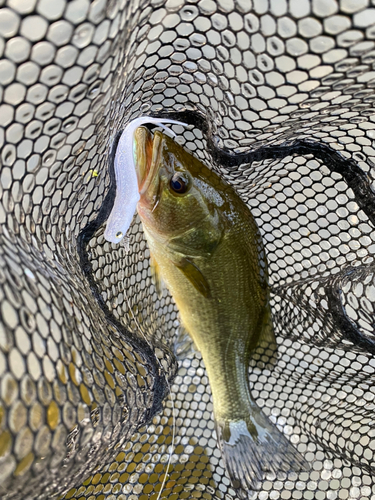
(127, 194)
(149, 167)
(142, 151)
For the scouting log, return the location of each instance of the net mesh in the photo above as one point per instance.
(279, 97)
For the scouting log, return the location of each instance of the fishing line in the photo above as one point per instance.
(170, 396)
(126, 244)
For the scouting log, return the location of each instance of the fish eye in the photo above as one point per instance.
(179, 183)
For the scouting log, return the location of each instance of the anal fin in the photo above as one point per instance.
(184, 346)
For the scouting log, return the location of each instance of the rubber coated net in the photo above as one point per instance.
(92, 399)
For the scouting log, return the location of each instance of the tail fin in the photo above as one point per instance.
(254, 446)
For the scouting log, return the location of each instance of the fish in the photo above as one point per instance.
(207, 250)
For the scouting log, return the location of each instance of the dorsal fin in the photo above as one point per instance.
(267, 340)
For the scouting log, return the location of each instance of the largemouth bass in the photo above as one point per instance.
(206, 247)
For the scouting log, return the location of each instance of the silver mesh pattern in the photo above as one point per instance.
(279, 99)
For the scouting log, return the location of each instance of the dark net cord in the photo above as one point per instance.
(349, 169)
(279, 98)
(162, 382)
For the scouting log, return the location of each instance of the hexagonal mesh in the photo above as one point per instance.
(279, 97)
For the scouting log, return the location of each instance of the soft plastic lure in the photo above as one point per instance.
(127, 195)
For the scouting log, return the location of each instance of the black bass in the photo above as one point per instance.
(206, 247)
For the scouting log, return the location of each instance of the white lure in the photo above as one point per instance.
(127, 195)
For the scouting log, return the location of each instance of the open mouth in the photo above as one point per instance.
(147, 151)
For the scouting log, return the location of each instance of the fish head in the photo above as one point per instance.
(177, 205)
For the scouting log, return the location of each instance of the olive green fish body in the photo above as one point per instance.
(226, 326)
(206, 247)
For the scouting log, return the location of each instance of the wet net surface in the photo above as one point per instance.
(85, 341)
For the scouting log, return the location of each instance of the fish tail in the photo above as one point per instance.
(254, 446)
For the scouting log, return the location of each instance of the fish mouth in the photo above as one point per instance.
(147, 156)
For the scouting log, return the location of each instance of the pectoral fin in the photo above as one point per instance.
(195, 276)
